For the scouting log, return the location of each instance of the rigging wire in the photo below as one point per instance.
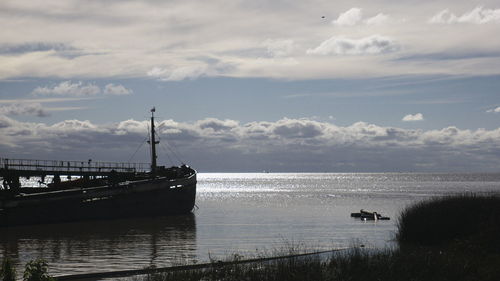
(175, 149)
(140, 145)
(168, 156)
(161, 125)
(171, 150)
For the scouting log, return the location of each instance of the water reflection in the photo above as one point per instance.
(103, 245)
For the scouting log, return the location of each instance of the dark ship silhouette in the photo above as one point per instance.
(102, 190)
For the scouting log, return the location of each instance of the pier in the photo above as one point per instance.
(12, 169)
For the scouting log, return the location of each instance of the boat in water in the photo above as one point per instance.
(365, 215)
(101, 190)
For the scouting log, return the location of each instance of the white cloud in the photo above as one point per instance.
(187, 72)
(371, 45)
(79, 89)
(354, 16)
(494, 110)
(413, 117)
(478, 15)
(193, 68)
(379, 19)
(350, 17)
(179, 73)
(112, 89)
(35, 109)
(217, 125)
(68, 88)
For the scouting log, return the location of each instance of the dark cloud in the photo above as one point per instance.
(60, 49)
(10, 49)
(285, 145)
(34, 109)
(301, 129)
(451, 55)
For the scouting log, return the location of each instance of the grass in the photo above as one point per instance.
(451, 238)
(35, 270)
(357, 265)
(451, 220)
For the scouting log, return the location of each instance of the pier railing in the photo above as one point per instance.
(30, 166)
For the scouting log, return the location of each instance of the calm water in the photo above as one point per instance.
(241, 213)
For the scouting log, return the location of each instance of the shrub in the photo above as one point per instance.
(7, 272)
(446, 220)
(36, 270)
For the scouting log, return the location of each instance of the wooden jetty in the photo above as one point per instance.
(13, 169)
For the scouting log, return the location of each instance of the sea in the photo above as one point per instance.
(245, 214)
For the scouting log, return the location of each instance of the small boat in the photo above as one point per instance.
(365, 215)
(102, 190)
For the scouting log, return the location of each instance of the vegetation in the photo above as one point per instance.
(475, 219)
(7, 272)
(451, 238)
(357, 265)
(35, 270)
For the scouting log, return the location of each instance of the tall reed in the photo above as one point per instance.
(444, 220)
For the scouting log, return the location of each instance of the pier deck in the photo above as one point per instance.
(41, 168)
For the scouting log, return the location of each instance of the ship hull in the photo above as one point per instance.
(141, 198)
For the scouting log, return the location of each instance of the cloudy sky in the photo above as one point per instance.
(283, 85)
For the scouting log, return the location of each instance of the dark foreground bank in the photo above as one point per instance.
(452, 238)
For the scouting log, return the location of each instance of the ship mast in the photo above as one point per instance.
(153, 142)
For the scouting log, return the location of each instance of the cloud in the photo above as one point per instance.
(279, 47)
(68, 88)
(478, 15)
(379, 19)
(413, 117)
(16, 49)
(284, 145)
(112, 89)
(371, 45)
(34, 109)
(354, 16)
(160, 38)
(179, 73)
(193, 68)
(304, 128)
(494, 110)
(451, 55)
(216, 124)
(80, 89)
(350, 17)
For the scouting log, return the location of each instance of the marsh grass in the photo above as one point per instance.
(442, 221)
(354, 265)
(7, 271)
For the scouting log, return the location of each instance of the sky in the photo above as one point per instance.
(251, 86)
